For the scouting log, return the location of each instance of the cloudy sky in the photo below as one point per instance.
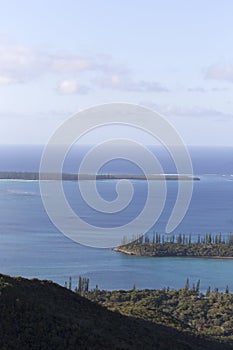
(59, 57)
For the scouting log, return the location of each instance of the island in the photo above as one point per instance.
(15, 175)
(208, 246)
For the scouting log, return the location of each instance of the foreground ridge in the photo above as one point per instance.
(42, 315)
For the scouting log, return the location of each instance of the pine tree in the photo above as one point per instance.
(140, 239)
(198, 286)
(190, 239)
(179, 239)
(70, 283)
(79, 284)
(227, 290)
(147, 240)
(83, 285)
(183, 239)
(230, 240)
(153, 238)
(187, 284)
(86, 285)
(208, 292)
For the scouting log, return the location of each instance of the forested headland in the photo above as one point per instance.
(207, 246)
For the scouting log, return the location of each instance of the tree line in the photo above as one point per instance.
(157, 238)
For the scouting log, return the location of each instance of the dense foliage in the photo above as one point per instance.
(42, 315)
(185, 309)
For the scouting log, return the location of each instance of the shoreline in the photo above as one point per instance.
(128, 252)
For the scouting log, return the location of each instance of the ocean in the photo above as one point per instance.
(31, 246)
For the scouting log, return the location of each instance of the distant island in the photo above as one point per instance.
(14, 175)
(180, 246)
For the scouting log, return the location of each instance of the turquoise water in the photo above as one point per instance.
(31, 246)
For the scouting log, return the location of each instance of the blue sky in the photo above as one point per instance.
(59, 57)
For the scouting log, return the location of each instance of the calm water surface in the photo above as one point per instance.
(31, 246)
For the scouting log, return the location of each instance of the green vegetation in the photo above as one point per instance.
(180, 245)
(185, 309)
(42, 315)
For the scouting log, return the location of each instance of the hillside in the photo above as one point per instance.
(186, 309)
(42, 315)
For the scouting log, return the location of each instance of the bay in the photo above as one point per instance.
(31, 246)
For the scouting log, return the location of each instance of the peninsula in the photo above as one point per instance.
(207, 246)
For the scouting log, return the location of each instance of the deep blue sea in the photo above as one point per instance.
(31, 246)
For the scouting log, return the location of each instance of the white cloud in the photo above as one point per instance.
(220, 72)
(38, 116)
(124, 82)
(219, 89)
(197, 89)
(19, 64)
(7, 80)
(65, 63)
(204, 90)
(69, 64)
(193, 112)
(71, 87)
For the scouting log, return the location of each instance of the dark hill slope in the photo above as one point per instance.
(42, 315)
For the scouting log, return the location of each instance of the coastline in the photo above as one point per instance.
(128, 252)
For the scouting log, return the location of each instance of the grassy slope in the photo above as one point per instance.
(42, 315)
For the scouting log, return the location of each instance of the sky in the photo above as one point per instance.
(60, 57)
